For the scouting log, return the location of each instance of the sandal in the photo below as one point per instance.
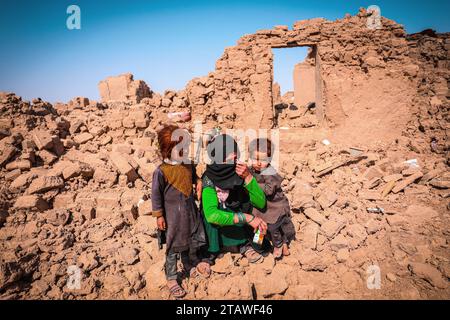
(177, 291)
(252, 255)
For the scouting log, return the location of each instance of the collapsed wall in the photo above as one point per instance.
(366, 78)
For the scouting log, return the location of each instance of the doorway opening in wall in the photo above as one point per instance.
(294, 87)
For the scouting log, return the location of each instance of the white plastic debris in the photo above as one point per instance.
(413, 163)
(326, 142)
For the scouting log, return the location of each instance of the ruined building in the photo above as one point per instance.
(75, 177)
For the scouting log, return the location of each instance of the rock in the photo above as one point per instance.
(327, 199)
(42, 139)
(313, 261)
(333, 226)
(224, 264)
(369, 195)
(123, 166)
(272, 284)
(342, 255)
(83, 138)
(129, 255)
(73, 170)
(393, 177)
(374, 62)
(115, 283)
(23, 180)
(440, 184)
(100, 233)
(47, 156)
(315, 216)
(373, 173)
(428, 273)
(303, 292)
(411, 70)
(267, 265)
(19, 164)
(155, 278)
(12, 175)
(43, 184)
(58, 217)
(308, 236)
(31, 202)
(414, 215)
(108, 200)
(145, 208)
(373, 226)
(338, 243)
(105, 176)
(6, 153)
(401, 185)
(358, 235)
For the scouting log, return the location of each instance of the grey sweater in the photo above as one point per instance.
(277, 203)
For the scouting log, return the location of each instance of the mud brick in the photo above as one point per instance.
(42, 139)
(373, 172)
(145, 208)
(64, 201)
(327, 199)
(6, 154)
(43, 184)
(333, 226)
(31, 202)
(406, 182)
(123, 166)
(146, 171)
(393, 177)
(370, 195)
(19, 164)
(58, 146)
(47, 156)
(12, 174)
(315, 216)
(83, 137)
(108, 200)
(308, 236)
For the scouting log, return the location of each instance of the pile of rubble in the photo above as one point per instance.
(75, 183)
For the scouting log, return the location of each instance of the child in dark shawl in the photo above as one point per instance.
(229, 194)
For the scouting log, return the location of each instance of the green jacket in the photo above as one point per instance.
(219, 225)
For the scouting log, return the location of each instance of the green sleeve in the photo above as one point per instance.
(257, 196)
(211, 209)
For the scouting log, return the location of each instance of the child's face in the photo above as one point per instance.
(259, 161)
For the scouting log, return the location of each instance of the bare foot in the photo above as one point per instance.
(277, 252)
(286, 250)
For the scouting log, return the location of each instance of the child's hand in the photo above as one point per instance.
(243, 172)
(199, 190)
(161, 222)
(260, 224)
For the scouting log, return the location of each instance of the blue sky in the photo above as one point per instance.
(166, 43)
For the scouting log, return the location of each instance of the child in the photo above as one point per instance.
(277, 213)
(174, 206)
